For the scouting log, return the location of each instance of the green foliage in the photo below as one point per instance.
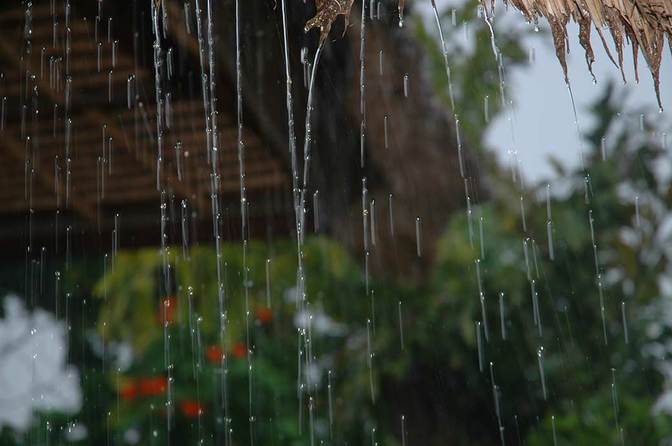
(432, 377)
(132, 312)
(617, 263)
(179, 379)
(475, 71)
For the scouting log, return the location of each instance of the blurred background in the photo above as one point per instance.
(461, 250)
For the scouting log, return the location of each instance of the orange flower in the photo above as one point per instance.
(168, 310)
(265, 315)
(215, 354)
(239, 350)
(129, 391)
(153, 386)
(191, 409)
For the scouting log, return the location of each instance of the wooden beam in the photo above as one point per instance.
(96, 115)
(178, 187)
(45, 176)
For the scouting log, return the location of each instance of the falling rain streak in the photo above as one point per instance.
(190, 120)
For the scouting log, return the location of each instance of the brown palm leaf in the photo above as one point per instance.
(327, 13)
(645, 23)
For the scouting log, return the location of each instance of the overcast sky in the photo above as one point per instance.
(543, 121)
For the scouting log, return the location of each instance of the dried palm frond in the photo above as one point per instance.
(327, 13)
(644, 23)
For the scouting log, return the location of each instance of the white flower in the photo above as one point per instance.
(319, 322)
(34, 375)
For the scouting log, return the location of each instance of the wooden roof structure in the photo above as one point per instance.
(100, 158)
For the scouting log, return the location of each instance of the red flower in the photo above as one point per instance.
(153, 386)
(168, 310)
(129, 391)
(191, 409)
(239, 350)
(215, 354)
(265, 315)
